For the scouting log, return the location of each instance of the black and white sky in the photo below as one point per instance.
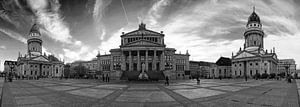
(78, 29)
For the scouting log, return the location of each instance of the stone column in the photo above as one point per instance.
(154, 61)
(138, 61)
(130, 61)
(162, 61)
(123, 66)
(146, 61)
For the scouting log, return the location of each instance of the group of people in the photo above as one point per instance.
(167, 81)
(105, 78)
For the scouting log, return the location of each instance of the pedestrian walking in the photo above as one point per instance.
(198, 80)
(106, 78)
(103, 77)
(167, 81)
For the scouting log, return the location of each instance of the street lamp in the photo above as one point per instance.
(287, 66)
(11, 66)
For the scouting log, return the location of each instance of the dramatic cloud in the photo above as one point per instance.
(156, 11)
(2, 47)
(47, 14)
(13, 35)
(77, 29)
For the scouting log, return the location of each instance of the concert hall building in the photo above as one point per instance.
(144, 50)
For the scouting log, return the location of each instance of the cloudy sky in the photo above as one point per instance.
(78, 29)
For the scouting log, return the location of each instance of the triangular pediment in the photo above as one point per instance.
(143, 32)
(143, 43)
(40, 58)
(245, 55)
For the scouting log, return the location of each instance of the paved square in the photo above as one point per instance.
(198, 93)
(25, 100)
(173, 87)
(92, 93)
(143, 87)
(111, 86)
(229, 88)
(144, 96)
(88, 92)
(61, 88)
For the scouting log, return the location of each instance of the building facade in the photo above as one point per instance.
(286, 65)
(253, 58)
(10, 67)
(144, 50)
(200, 68)
(34, 63)
(221, 69)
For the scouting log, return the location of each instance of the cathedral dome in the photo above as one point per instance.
(34, 32)
(35, 28)
(254, 18)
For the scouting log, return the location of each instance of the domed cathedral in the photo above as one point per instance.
(34, 42)
(253, 59)
(144, 55)
(34, 64)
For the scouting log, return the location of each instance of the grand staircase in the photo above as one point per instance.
(134, 75)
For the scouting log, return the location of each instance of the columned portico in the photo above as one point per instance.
(142, 52)
(132, 60)
(146, 61)
(138, 61)
(154, 61)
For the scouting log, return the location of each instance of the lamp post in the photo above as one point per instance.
(11, 66)
(287, 66)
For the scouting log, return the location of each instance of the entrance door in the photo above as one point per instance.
(157, 67)
(150, 67)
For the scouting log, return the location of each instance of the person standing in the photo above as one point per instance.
(108, 78)
(103, 77)
(198, 80)
(167, 81)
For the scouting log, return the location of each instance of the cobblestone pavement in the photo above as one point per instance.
(94, 93)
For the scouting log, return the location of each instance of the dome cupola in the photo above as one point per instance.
(34, 41)
(253, 17)
(254, 21)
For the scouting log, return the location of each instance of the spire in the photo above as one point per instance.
(98, 55)
(253, 17)
(273, 49)
(187, 52)
(35, 28)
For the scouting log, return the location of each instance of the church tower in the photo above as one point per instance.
(34, 41)
(254, 34)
